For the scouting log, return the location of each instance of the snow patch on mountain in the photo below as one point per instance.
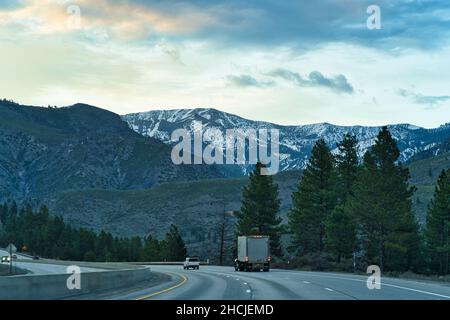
(296, 142)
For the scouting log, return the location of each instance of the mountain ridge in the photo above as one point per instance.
(205, 109)
(44, 151)
(296, 142)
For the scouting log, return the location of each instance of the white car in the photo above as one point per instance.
(193, 263)
(6, 259)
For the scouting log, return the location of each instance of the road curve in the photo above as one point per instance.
(223, 283)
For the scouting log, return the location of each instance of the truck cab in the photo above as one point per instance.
(191, 262)
(253, 254)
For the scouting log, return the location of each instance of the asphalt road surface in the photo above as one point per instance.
(223, 283)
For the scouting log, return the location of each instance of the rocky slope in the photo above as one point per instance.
(44, 151)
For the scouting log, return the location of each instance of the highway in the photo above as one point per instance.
(3, 252)
(223, 283)
(40, 268)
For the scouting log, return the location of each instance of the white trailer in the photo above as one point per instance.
(253, 254)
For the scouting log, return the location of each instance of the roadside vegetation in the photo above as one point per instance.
(347, 214)
(39, 233)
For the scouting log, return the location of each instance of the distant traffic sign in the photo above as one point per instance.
(11, 248)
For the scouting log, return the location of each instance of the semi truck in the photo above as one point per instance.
(253, 254)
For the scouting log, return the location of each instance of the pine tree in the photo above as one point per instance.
(382, 206)
(259, 210)
(104, 246)
(346, 167)
(174, 248)
(3, 218)
(57, 240)
(340, 229)
(437, 234)
(3, 213)
(90, 256)
(340, 233)
(151, 250)
(313, 202)
(11, 224)
(135, 250)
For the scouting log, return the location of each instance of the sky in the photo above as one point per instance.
(288, 62)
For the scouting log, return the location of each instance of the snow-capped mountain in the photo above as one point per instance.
(296, 142)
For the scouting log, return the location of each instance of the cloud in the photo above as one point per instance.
(244, 80)
(309, 24)
(172, 52)
(338, 84)
(124, 20)
(130, 55)
(301, 24)
(418, 98)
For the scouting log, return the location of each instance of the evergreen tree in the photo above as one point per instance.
(13, 210)
(66, 242)
(381, 203)
(56, 235)
(11, 222)
(174, 248)
(3, 214)
(136, 249)
(313, 201)
(151, 250)
(346, 167)
(90, 256)
(104, 246)
(340, 229)
(259, 210)
(340, 233)
(437, 234)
